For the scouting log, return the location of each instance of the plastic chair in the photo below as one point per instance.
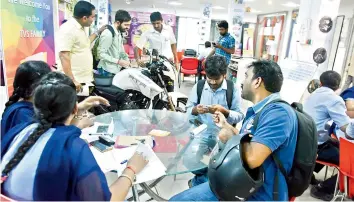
(327, 165)
(5, 198)
(189, 66)
(345, 178)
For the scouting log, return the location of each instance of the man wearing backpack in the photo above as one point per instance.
(211, 95)
(273, 126)
(110, 50)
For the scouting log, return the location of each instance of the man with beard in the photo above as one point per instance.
(110, 48)
(213, 97)
(226, 43)
(276, 133)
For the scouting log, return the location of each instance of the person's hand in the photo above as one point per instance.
(225, 134)
(83, 122)
(102, 29)
(137, 162)
(217, 45)
(219, 119)
(78, 86)
(201, 109)
(124, 63)
(92, 101)
(215, 108)
(140, 63)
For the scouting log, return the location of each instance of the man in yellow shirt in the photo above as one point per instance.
(74, 46)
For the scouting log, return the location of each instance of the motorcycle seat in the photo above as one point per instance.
(113, 90)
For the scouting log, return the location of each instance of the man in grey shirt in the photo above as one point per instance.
(110, 48)
(325, 105)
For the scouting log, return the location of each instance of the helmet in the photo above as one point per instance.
(229, 177)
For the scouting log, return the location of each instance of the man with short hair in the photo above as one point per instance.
(161, 38)
(110, 48)
(214, 97)
(75, 57)
(325, 105)
(276, 132)
(207, 50)
(226, 43)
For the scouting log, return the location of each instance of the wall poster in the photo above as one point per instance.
(27, 34)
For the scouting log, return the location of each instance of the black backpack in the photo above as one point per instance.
(298, 180)
(95, 46)
(229, 91)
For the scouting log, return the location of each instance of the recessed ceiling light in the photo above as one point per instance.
(175, 3)
(291, 4)
(270, 2)
(218, 7)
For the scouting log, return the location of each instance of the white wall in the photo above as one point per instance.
(216, 14)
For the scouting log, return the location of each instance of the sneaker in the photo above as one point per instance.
(315, 182)
(317, 193)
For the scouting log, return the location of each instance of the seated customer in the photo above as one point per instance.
(19, 108)
(51, 159)
(348, 97)
(276, 132)
(213, 98)
(325, 105)
(205, 53)
(110, 46)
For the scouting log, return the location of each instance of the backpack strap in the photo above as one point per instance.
(274, 157)
(111, 29)
(229, 92)
(200, 87)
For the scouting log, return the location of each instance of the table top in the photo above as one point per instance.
(179, 152)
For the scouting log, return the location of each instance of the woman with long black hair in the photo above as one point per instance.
(46, 160)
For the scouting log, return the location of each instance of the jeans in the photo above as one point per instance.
(200, 147)
(103, 72)
(201, 192)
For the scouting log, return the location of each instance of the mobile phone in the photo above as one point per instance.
(102, 129)
(106, 141)
(100, 147)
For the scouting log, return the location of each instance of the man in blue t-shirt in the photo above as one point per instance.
(276, 133)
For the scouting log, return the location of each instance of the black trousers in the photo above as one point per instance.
(328, 152)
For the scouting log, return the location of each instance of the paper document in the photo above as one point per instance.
(153, 170)
(111, 160)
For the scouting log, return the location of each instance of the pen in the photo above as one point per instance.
(123, 162)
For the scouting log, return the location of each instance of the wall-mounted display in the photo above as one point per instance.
(326, 24)
(320, 55)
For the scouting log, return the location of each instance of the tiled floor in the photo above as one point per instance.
(169, 187)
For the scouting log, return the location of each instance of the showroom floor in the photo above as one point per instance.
(169, 187)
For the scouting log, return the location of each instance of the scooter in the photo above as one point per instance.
(141, 88)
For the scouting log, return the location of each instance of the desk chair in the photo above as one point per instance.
(345, 178)
(189, 66)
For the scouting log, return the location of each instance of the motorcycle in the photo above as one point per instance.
(141, 88)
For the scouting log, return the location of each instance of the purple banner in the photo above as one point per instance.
(140, 24)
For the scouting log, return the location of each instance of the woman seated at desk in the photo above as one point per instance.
(46, 160)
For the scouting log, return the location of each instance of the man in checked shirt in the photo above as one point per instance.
(226, 43)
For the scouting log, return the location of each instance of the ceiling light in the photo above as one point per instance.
(291, 4)
(175, 3)
(127, 1)
(270, 2)
(218, 7)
